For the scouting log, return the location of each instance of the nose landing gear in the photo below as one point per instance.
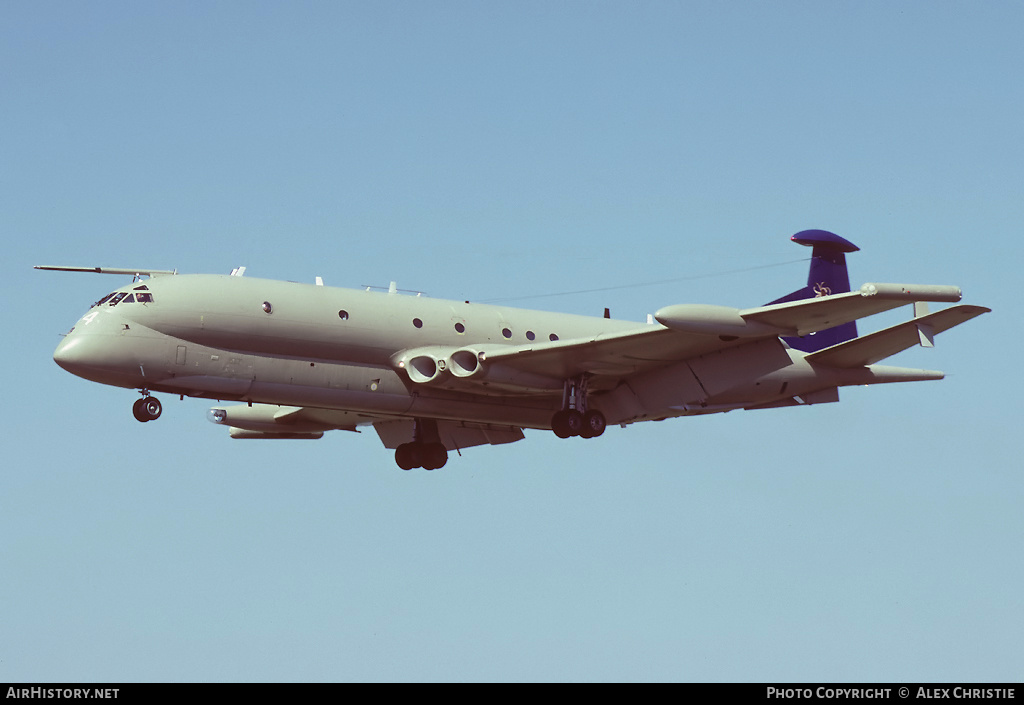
(148, 408)
(574, 418)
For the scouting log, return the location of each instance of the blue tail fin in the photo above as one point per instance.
(827, 276)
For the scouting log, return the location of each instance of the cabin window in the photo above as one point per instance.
(343, 314)
(552, 337)
(506, 332)
(417, 322)
(460, 328)
(530, 335)
(267, 308)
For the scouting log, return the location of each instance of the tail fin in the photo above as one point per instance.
(827, 276)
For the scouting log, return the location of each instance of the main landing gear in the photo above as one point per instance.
(147, 408)
(425, 450)
(575, 419)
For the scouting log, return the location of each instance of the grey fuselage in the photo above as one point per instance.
(246, 339)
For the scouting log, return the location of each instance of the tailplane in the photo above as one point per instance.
(827, 276)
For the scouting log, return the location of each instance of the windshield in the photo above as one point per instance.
(140, 295)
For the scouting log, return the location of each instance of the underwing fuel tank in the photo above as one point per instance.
(264, 421)
(242, 433)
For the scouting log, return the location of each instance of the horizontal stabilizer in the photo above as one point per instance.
(869, 349)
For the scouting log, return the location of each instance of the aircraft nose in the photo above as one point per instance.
(89, 356)
(71, 354)
(100, 355)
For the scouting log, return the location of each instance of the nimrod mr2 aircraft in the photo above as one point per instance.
(433, 376)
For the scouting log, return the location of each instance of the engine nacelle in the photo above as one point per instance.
(434, 364)
(466, 362)
(423, 365)
(472, 363)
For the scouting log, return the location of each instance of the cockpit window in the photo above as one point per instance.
(103, 300)
(124, 297)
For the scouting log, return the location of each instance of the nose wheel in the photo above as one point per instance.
(574, 418)
(147, 409)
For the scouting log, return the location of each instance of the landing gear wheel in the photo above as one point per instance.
(425, 450)
(594, 424)
(429, 456)
(574, 422)
(435, 455)
(407, 456)
(567, 423)
(560, 425)
(147, 409)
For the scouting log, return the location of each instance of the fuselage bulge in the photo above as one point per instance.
(434, 375)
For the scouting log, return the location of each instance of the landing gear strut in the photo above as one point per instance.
(574, 418)
(425, 450)
(147, 408)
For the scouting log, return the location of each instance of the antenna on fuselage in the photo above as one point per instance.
(238, 272)
(392, 289)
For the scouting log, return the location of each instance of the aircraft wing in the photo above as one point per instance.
(810, 315)
(687, 331)
(869, 349)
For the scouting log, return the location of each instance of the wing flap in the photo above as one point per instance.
(869, 349)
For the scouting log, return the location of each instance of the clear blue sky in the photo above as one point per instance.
(484, 151)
